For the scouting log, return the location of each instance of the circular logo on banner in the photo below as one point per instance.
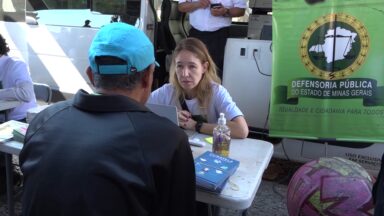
(334, 46)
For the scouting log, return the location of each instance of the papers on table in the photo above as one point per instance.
(7, 129)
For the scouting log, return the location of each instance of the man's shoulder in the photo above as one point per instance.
(160, 124)
(60, 104)
(159, 121)
(52, 110)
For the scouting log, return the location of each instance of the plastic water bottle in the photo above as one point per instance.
(221, 137)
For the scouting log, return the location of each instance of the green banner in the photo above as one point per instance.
(328, 70)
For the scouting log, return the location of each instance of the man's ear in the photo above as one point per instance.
(147, 79)
(90, 75)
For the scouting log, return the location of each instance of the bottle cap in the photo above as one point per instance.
(222, 120)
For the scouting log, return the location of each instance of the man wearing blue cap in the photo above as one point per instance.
(106, 153)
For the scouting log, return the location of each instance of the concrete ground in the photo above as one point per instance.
(269, 201)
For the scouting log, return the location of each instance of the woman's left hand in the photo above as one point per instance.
(189, 124)
(186, 121)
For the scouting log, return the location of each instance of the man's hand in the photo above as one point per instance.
(204, 3)
(218, 10)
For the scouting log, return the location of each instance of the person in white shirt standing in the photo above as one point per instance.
(210, 21)
(15, 84)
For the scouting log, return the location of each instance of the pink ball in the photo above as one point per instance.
(330, 186)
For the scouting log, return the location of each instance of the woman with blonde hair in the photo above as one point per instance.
(195, 89)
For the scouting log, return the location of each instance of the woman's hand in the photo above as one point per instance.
(185, 120)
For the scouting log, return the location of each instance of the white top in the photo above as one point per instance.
(202, 19)
(16, 84)
(221, 101)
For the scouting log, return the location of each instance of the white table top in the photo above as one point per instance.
(240, 190)
(11, 147)
(5, 105)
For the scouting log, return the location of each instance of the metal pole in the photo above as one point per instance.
(9, 174)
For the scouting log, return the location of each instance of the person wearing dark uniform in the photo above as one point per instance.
(106, 153)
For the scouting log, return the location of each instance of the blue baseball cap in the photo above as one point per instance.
(122, 41)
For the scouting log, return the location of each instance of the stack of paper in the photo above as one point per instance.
(7, 129)
(19, 133)
(213, 171)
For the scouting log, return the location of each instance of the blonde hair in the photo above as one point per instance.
(204, 88)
